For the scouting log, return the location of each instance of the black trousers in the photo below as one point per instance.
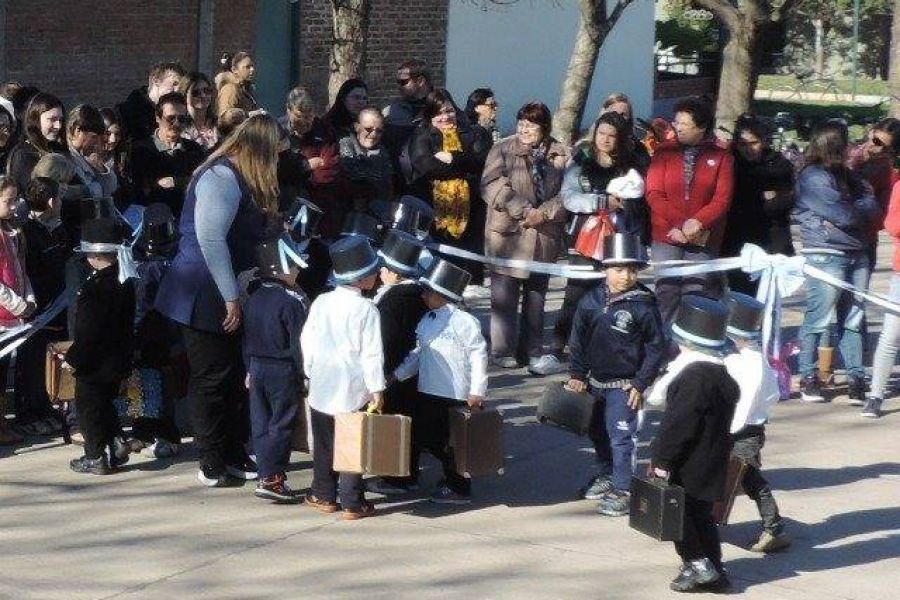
(701, 535)
(275, 390)
(97, 416)
(219, 411)
(400, 399)
(327, 481)
(432, 434)
(748, 444)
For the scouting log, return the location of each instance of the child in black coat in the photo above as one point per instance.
(101, 353)
(618, 346)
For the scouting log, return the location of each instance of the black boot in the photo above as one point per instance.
(96, 466)
(856, 390)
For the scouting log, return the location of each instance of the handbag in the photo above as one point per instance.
(595, 230)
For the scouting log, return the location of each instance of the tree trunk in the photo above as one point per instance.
(736, 82)
(348, 45)
(894, 73)
(819, 47)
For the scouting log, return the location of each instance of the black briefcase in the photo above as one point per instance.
(564, 408)
(657, 508)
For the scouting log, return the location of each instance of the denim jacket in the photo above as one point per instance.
(829, 218)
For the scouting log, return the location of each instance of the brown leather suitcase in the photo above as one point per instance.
(657, 508)
(476, 437)
(372, 444)
(300, 439)
(59, 382)
(733, 478)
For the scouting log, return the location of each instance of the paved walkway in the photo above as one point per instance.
(153, 532)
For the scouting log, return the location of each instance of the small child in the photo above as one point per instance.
(618, 346)
(759, 391)
(451, 360)
(101, 352)
(343, 359)
(16, 297)
(273, 318)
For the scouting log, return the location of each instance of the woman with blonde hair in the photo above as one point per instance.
(201, 104)
(230, 207)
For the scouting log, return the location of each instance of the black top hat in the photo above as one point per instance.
(101, 236)
(624, 249)
(275, 256)
(745, 315)
(353, 259)
(701, 322)
(361, 224)
(158, 231)
(412, 215)
(446, 279)
(97, 208)
(304, 218)
(400, 253)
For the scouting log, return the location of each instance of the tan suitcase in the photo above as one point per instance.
(60, 382)
(372, 444)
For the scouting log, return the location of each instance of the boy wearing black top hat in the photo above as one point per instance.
(618, 346)
(693, 444)
(450, 359)
(100, 355)
(400, 306)
(274, 316)
(759, 392)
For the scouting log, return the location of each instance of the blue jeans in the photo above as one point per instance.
(612, 432)
(275, 390)
(824, 303)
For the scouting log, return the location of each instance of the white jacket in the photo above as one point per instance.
(342, 353)
(759, 387)
(450, 355)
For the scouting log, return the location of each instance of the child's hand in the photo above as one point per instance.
(577, 385)
(66, 366)
(635, 398)
(376, 405)
(475, 402)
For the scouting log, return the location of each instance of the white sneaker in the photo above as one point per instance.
(548, 364)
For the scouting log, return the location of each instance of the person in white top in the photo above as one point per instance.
(343, 359)
(451, 360)
(759, 391)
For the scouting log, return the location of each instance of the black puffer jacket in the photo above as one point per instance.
(468, 164)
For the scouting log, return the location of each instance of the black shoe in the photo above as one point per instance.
(96, 466)
(872, 409)
(211, 477)
(277, 489)
(811, 389)
(245, 469)
(118, 452)
(856, 390)
(686, 580)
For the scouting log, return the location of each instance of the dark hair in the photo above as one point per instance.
(9, 89)
(338, 115)
(39, 193)
(622, 157)
(750, 123)
(437, 99)
(170, 98)
(537, 112)
(159, 70)
(225, 62)
(12, 124)
(828, 149)
(110, 117)
(478, 97)
(86, 118)
(890, 126)
(416, 68)
(700, 110)
(40, 103)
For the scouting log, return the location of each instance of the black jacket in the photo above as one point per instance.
(468, 164)
(138, 115)
(104, 328)
(46, 253)
(148, 164)
(693, 442)
(401, 308)
(618, 337)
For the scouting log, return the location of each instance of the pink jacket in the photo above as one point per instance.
(15, 288)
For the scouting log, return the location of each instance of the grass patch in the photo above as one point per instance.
(864, 85)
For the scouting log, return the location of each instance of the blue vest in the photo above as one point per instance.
(188, 293)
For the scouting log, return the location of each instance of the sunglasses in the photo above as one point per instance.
(403, 82)
(179, 119)
(371, 130)
(878, 141)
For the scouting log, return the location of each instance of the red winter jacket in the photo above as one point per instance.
(710, 194)
(892, 223)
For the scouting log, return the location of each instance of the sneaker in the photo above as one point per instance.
(246, 469)
(771, 542)
(811, 389)
(386, 488)
(118, 452)
(325, 506)
(366, 509)
(597, 487)
(276, 488)
(547, 364)
(444, 495)
(614, 504)
(160, 448)
(95, 466)
(211, 478)
(685, 581)
(873, 408)
(856, 391)
(505, 362)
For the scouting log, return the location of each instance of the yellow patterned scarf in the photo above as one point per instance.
(451, 196)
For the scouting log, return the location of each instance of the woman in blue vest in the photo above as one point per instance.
(230, 206)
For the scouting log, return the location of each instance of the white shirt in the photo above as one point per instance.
(450, 355)
(342, 353)
(759, 387)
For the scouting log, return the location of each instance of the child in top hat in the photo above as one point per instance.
(344, 362)
(618, 346)
(274, 316)
(101, 352)
(154, 432)
(693, 443)
(759, 391)
(451, 360)
(400, 305)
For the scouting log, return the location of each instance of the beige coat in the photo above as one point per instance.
(507, 189)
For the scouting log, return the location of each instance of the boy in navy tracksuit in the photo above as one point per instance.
(618, 346)
(273, 317)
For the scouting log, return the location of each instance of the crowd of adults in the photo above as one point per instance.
(226, 168)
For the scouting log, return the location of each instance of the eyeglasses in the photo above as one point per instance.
(179, 119)
(404, 81)
(373, 130)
